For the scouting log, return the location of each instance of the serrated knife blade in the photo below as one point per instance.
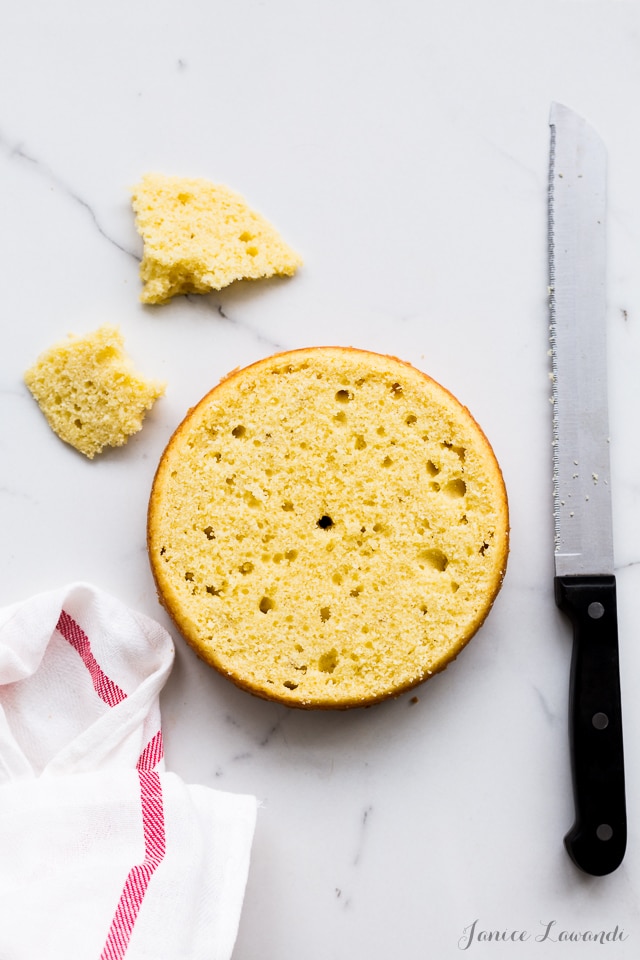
(585, 586)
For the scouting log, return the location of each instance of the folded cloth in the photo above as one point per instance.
(104, 854)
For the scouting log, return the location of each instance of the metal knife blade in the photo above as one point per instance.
(585, 587)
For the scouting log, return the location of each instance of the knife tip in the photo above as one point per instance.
(556, 110)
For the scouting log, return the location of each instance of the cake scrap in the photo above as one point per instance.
(89, 392)
(201, 236)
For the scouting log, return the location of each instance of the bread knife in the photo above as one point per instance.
(585, 585)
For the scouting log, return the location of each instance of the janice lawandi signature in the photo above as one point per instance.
(550, 932)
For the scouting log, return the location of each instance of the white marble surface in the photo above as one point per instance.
(402, 148)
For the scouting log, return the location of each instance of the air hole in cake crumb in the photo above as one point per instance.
(287, 506)
(380, 528)
(299, 647)
(239, 431)
(214, 591)
(484, 548)
(360, 442)
(291, 554)
(325, 613)
(266, 604)
(454, 586)
(424, 608)
(246, 567)
(188, 576)
(355, 592)
(78, 423)
(396, 390)
(245, 236)
(387, 462)
(434, 486)
(252, 251)
(463, 518)
(432, 470)
(163, 550)
(209, 534)
(411, 419)
(328, 661)
(344, 396)
(435, 558)
(381, 431)
(325, 522)
(340, 416)
(455, 488)
(290, 685)
(460, 452)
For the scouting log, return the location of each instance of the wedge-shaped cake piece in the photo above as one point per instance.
(89, 392)
(201, 236)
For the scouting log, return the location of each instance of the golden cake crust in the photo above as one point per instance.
(328, 527)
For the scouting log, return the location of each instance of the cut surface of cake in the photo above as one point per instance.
(328, 527)
(89, 392)
(201, 236)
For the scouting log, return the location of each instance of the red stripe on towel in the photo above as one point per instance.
(139, 876)
(152, 753)
(106, 689)
(153, 825)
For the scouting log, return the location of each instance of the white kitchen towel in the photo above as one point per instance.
(103, 854)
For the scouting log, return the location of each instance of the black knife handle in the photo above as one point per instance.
(597, 841)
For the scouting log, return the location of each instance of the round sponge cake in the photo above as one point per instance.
(328, 527)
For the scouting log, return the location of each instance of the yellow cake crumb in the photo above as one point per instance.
(89, 392)
(328, 527)
(201, 236)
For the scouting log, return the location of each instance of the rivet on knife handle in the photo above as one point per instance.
(597, 841)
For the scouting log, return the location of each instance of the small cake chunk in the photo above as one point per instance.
(200, 236)
(89, 392)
